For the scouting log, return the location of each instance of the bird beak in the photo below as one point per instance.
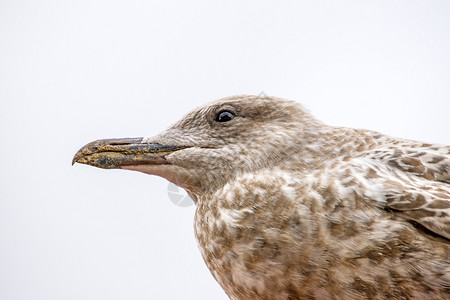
(117, 153)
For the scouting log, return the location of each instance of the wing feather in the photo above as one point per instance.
(415, 182)
(428, 161)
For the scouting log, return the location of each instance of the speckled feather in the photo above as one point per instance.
(296, 209)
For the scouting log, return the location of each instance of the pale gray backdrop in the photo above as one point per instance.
(75, 71)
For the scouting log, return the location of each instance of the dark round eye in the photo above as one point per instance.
(224, 116)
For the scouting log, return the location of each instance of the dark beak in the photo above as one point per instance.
(115, 153)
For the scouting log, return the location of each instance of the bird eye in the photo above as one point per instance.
(224, 116)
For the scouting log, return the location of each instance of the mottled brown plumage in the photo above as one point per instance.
(291, 208)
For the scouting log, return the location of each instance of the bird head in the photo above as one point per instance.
(212, 144)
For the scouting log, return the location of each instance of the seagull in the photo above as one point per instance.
(288, 207)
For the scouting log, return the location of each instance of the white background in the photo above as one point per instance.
(75, 71)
